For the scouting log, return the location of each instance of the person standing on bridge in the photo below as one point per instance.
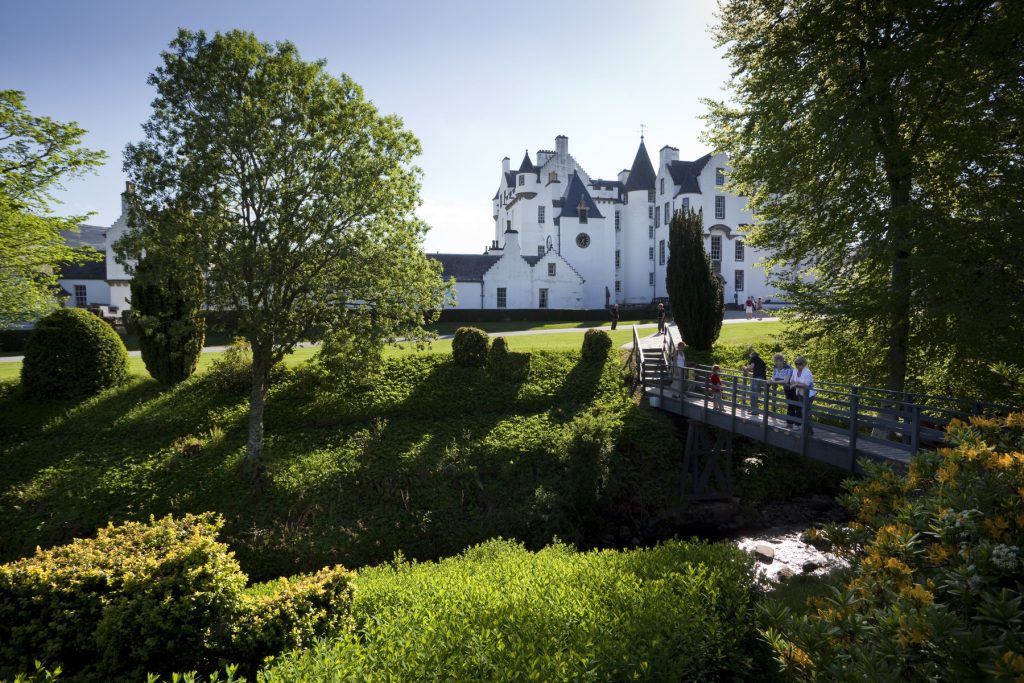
(782, 373)
(758, 374)
(716, 387)
(803, 382)
(681, 369)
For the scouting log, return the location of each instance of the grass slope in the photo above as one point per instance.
(427, 458)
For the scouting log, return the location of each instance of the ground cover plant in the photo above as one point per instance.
(424, 457)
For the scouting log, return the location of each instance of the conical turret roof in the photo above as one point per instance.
(641, 175)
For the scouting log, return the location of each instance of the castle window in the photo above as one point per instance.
(716, 248)
(618, 286)
(502, 297)
(542, 302)
(662, 186)
(657, 216)
(552, 177)
(685, 206)
(650, 253)
(650, 232)
(719, 207)
(618, 226)
(81, 298)
(522, 179)
(650, 279)
(650, 211)
(540, 250)
(551, 269)
(650, 195)
(667, 215)
(618, 258)
(583, 215)
(739, 250)
(719, 176)
(739, 280)
(661, 253)
(508, 224)
(540, 214)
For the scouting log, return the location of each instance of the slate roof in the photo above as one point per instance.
(471, 267)
(685, 173)
(641, 175)
(92, 270)
(527, 165)
(574, 193)
(94, 236)
(510, 178)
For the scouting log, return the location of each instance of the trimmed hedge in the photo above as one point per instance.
(158, 597)
(492, 315)
(596, 345)
(72, 353)
(506, 365)
(469, 347)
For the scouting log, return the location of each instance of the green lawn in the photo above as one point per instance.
(733, 334)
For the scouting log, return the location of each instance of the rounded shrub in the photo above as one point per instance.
(469, 347)
(596, 344)
(72, 353)
(506, 365)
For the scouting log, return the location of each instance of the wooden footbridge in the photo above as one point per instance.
(843, 425)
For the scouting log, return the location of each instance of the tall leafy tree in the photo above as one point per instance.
(303, 195)
(880, 146)
(37, 154)
(695, 290)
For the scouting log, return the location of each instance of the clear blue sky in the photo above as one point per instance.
(475, 81)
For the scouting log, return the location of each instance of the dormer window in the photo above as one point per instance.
(719, 176)
(553, 177)
(583, 215)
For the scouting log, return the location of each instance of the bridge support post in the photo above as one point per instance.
(707, 463)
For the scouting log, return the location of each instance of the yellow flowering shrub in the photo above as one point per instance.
(938, 560)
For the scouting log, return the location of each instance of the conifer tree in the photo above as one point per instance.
(694, 288)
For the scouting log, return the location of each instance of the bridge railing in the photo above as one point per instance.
(906, 421)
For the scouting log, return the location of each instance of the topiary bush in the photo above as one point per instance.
(469, 347)
(596, 345)
(72, 353)
(507, 365)
(935, 591)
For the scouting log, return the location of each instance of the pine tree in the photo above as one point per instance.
(694, 289)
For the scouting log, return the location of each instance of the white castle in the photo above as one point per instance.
(565, 240)
(561, 238)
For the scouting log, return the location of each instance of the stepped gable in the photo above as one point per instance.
(641, 175)
(685, 174)
(574, 194)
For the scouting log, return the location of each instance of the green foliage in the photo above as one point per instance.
(877, 144)
(72, 353)
(156, 597)
(425, 457)
(166, 303)
(469, 347)
(507, 365)
(499, 613)
(36, 155)
(935, 590)
(318, 222)
(596, 345)
(136, 598)
(694, 288)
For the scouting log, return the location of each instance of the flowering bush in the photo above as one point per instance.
(936, 592)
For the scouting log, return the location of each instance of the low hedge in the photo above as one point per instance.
(158, 597)
(679, 611)
(493, 315)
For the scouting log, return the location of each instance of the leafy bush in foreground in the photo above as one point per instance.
(154, 597)
(469, 347)
(506, 365)
(596, 344)
(680, 611)
(936, 592)
(72, 353)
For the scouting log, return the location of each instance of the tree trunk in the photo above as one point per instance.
(260, 381)
(899, 281)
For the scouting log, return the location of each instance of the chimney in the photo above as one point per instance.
(506, 165)
(129, 187)
(512, 242)
(667, 154)
(562, 146)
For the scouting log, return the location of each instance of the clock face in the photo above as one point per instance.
(583, 240)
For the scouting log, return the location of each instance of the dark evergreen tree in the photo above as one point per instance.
(166, 305)
(694, 288)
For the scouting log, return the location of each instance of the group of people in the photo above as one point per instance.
(796, 381)
(754, 307)
(613, 313)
